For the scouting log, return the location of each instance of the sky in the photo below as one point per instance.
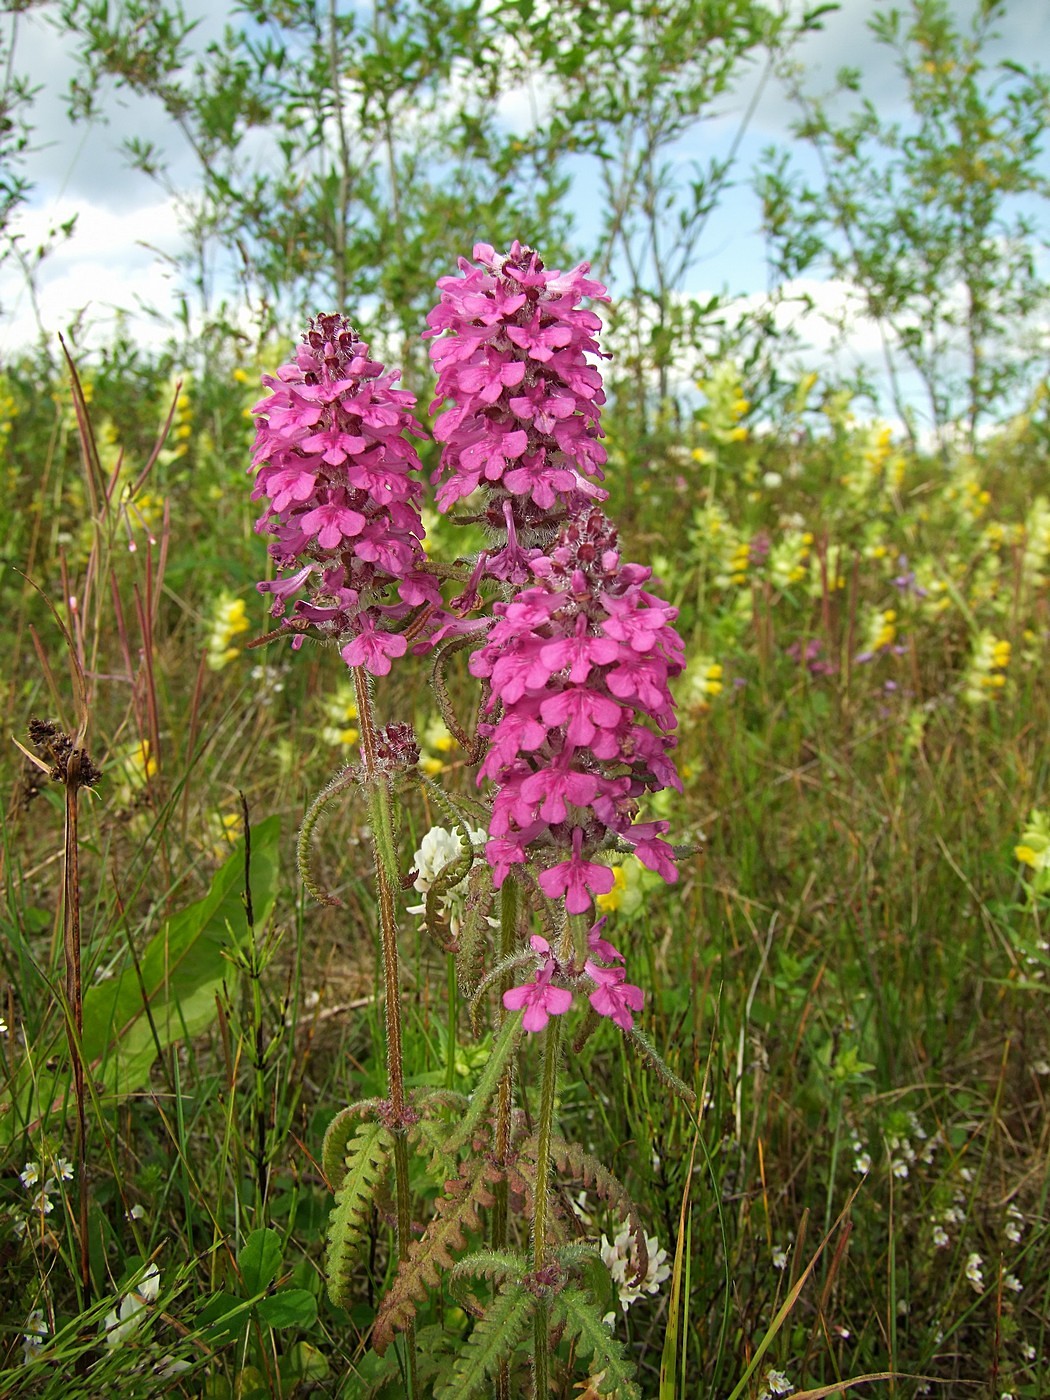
(127, 232)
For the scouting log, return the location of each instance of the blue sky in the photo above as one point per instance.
(127, 230)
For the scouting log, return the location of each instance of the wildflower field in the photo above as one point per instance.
(526, 847)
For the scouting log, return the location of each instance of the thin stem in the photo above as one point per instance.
(548, 1097)
(501, 1144)
(381, 815)
(75, 1000)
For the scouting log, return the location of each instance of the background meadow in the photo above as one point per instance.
(852, 970)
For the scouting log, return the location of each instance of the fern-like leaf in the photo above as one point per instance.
(492, 1264)
(419, 1268)
(339, 1132)
(492, 1340)
(571, 1160)
(366, 1157)
(582, 1320)
(502, 1053)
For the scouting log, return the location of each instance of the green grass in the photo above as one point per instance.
(851, 970)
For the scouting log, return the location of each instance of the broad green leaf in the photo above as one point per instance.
(258, 1260)
(182, 969)
(288, 1307)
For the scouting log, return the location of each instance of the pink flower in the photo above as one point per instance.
(569, 757)
(525, 421)
(615, 997)
(335, 466)
(540, 1000)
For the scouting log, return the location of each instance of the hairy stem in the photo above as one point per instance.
(548, 1097)
(382, 820)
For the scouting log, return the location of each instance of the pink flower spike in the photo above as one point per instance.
(615, 997)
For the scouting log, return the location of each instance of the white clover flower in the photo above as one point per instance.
(940, 1237)
(440, 848)
(780, 1257)
(973, 1272)
(124, 1319)
(30, 1174)
(437, 849)
(618, 1259)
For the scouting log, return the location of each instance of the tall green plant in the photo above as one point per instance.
(931, 218)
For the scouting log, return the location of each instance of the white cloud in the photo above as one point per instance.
(101, 269)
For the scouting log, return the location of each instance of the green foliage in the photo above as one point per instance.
(584, 1325)
(366, 1155)
(930, 218)
(456, 1215)
(492, 1338)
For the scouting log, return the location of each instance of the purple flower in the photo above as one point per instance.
(525, 420)
(335, 467)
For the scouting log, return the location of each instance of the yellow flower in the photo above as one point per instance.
(229, 620)
(610, 902)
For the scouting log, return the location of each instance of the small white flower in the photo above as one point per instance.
(940, 1236)
(136, 1212)
(42, 1204)
(169, 1366)
(973, 1272)
(1028, 1351)
(30, 1174)
(33, 1335)
(903, 1307)
(1013, 1283)
(780, 1257)
(776, 1383)
(123, 1320)
(1041, 1067)
(862, 1163)
(64, 1168)
(3, 1026)
(899, 1168)
(966, 1173)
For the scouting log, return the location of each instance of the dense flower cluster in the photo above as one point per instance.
(574, 663)
(525, 425)
(334, 463)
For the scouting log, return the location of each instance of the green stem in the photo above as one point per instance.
(500, 1211)
(382, 820)
(548, 1098)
